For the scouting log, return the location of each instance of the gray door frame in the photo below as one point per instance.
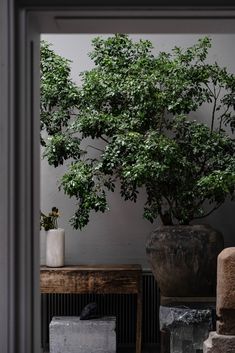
(20, 28)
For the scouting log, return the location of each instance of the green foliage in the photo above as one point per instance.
(85, 182)
(50, 221)
(61, 147)
(59, 95)
(138, 105)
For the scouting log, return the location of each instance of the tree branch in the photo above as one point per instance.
(213, 111)
(212, 210)
(219, 90)
(209, 89)
(221, 118)
(98, 149)
(102, 138)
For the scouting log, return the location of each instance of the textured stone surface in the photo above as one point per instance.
(183, 259)
(225, 303)
(69, 334)
(219, 344)
(188, 327)
(172, 316)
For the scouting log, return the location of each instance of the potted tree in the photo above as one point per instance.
(140, 107)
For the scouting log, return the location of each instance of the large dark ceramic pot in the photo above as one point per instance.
(184, 259)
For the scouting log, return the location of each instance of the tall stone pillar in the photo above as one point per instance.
(225, 300)
(223, 340)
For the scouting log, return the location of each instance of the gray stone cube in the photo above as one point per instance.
(69, 334)
(188, 327)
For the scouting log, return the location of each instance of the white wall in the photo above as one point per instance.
(119, 235)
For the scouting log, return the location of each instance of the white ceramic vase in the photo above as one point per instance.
(55, 247)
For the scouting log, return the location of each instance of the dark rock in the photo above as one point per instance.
(89, 312)
(172, 317)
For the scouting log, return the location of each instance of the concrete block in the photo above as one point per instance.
(69, 334)
(219, 343)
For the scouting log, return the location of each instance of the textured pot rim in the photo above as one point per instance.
(178, 231)
(185, 225)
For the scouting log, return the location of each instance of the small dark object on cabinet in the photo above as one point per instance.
(89, 312)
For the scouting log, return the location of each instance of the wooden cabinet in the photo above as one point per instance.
(100, 279)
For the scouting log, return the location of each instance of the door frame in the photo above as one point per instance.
(20, 30)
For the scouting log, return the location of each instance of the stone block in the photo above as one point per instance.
(217, 343)
(69, 334)
(225, 303)
(188, 327)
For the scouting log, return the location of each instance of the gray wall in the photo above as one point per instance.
(119, 235)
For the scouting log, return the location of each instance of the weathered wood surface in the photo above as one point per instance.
(95, 279)
(103, 279)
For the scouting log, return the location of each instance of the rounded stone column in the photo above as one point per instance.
(223, 340)
(225, 300)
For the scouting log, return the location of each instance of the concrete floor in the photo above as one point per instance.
(149, 349)
(145, 350)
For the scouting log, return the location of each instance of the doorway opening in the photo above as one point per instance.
(72, 22)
